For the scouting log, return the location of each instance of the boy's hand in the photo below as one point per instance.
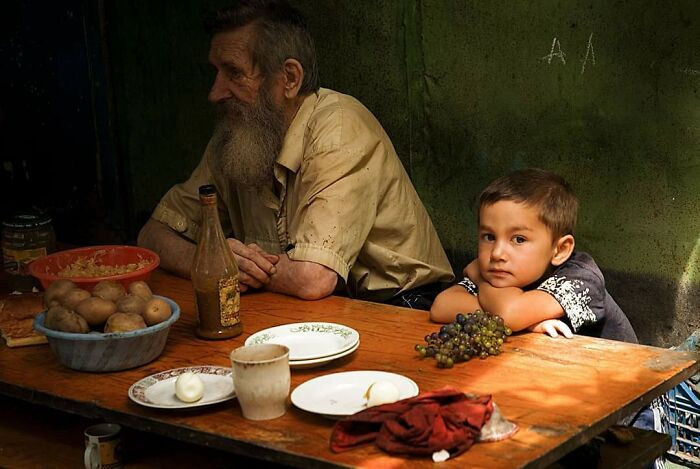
(553, 327)
(472, 271)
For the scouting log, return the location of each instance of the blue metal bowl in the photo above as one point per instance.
(112, 351)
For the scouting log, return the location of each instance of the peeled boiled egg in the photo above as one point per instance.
(189, 387)
(381, 392)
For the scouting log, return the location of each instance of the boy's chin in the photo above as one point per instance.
(510, 282)
(503, 283)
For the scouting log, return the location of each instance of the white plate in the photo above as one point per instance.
(158, 390)
(299, 364)
(341, 394)
(308, 340)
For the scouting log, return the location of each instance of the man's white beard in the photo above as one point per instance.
(248, 139)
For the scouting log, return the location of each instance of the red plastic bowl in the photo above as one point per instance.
(47, 268)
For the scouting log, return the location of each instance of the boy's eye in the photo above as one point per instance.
(519, 239)
(487, 237)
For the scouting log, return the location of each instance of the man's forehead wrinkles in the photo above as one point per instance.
(235, 41)
(230, 50)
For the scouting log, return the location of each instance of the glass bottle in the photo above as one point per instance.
(25, 238)
(215, 276)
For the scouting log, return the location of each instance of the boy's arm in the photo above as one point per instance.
(452, 301)
(519, 309)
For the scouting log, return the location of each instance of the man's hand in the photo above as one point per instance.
(553, 327)
(272, 258)
(255, 265)
(280, 274)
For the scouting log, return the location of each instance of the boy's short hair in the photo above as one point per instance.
(549, 193)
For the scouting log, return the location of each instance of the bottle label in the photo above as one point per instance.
(15, 261)
(229, 301)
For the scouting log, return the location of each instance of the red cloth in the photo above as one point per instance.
(432, 421)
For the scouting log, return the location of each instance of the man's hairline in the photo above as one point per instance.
(251, 43)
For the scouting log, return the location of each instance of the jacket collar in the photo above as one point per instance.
(292, 148)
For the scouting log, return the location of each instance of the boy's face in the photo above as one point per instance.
(515, 247)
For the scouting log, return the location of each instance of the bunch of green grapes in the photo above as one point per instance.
(477, 334)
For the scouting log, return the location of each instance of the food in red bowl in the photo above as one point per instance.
(89, 265)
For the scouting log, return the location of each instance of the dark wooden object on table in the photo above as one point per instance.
(560, 392)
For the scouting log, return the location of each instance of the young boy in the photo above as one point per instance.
(527, 271)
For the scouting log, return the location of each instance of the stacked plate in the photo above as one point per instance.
(310, 344)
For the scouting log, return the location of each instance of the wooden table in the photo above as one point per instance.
(560, 392)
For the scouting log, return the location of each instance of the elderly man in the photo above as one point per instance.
(312, 192)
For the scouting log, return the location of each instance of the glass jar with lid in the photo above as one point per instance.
(25, 237)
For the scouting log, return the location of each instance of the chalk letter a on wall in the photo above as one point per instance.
(555, 51)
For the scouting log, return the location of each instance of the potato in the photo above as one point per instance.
(62, 319)
(124, 322)
(57, 289)
(141, 288)
(72, 297)
(109, 290)
(96, 310)
(157, 310)
(131, 304)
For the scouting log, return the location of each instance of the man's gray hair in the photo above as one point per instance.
(281, 34)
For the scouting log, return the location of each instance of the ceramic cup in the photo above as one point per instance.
(261, 380)
(103, 446)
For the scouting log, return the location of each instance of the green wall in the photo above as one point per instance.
(469, 90)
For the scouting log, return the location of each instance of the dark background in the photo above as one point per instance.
(56, 150)
(103, 108)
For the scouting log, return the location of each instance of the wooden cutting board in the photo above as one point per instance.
(17, 313)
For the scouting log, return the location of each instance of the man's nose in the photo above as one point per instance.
(219, 90)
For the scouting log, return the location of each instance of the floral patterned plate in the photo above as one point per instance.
(158, 390)
(308, 340)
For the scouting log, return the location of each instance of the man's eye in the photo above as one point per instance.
(233, 75)
(519, 239)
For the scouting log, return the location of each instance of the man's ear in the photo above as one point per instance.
(293, 75)
(563, 249)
